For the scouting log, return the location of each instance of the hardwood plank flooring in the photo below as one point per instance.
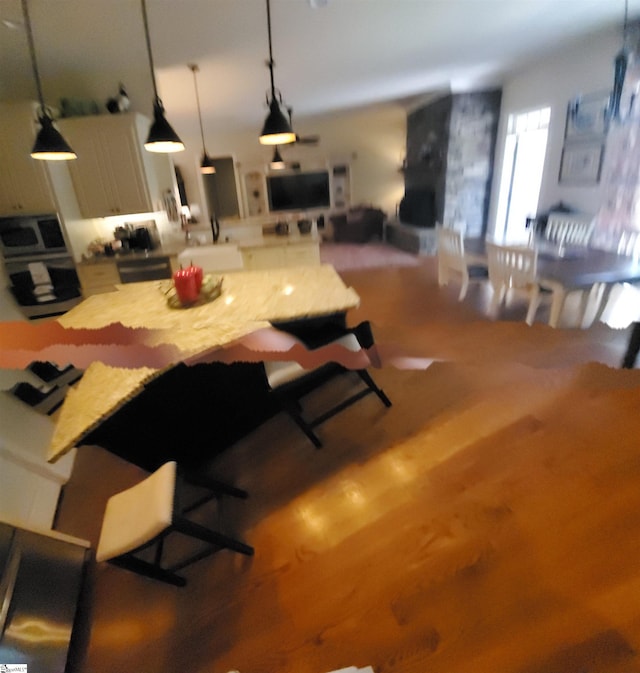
(488, 521)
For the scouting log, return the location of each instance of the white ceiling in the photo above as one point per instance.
(344, 54)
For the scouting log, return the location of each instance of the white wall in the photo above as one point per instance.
(583, 67)
(371, 140)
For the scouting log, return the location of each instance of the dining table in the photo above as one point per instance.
(563, 269)
(198, 402)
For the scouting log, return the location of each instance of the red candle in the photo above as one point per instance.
(198, 273)
(185, 283)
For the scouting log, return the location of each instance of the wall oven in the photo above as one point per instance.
(39, 268)
(31, 235)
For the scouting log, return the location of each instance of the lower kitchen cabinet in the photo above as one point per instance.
(275, 256)
(303, 254)
(30, 486)
(103, 276)
(98, 277)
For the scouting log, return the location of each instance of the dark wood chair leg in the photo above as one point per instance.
(292, 407)
(213, 485)
(366, 377)
(199, 532)
(149, 570)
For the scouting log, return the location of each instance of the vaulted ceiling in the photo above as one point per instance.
(329, 54)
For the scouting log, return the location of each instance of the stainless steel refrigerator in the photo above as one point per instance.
(41, 580)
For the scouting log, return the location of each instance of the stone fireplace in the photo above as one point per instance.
(448, 168)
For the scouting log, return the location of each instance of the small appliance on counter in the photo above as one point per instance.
(140, 237)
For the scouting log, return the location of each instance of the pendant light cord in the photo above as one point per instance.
(194, 69)
(146, 33)
(270, 62)
(32, 51)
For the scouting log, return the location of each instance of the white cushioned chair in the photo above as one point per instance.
(141, 517)
(289, 382)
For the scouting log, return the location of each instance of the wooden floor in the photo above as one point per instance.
(488, 521)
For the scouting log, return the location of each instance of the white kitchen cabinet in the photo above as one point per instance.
(265, 257)
(25, 187)
(302, 254)
(277, 256)
(96, 278)
(114, 174)
(30, 486)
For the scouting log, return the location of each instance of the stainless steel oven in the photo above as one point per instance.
(31, 235)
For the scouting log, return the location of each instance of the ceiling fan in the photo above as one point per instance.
(302, 140)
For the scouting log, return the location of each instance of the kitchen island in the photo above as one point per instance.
(196, 403)
(102, 273)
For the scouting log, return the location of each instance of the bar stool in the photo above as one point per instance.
(289, 382)
(142, 516)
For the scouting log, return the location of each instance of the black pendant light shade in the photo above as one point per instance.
(277, 128)
(49, 145)
(162, 137)
(207, 166)
(277, 163)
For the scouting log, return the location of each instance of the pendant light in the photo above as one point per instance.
(277, 128)
(49, 144)
(206, 164)
(277, 163)
(620, 69)
(161, 138)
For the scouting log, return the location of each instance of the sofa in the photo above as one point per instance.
(360, 224)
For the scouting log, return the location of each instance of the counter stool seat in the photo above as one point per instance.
(142, 516)
(289, 382)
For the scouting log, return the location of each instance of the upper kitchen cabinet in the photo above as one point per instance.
(25, 188)
(114, 174)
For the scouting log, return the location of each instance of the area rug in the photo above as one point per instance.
(350, 256)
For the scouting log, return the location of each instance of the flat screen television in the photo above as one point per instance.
(299, 191)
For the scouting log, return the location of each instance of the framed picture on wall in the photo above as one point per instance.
(587, 116)
(581, 163)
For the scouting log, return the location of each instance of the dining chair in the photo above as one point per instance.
(513, 268)
(138, 520)
(290, 382)
(629, 243)
(569, 228)
(453, 261)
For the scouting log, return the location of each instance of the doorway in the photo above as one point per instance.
(523, 164)
(220, 189)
